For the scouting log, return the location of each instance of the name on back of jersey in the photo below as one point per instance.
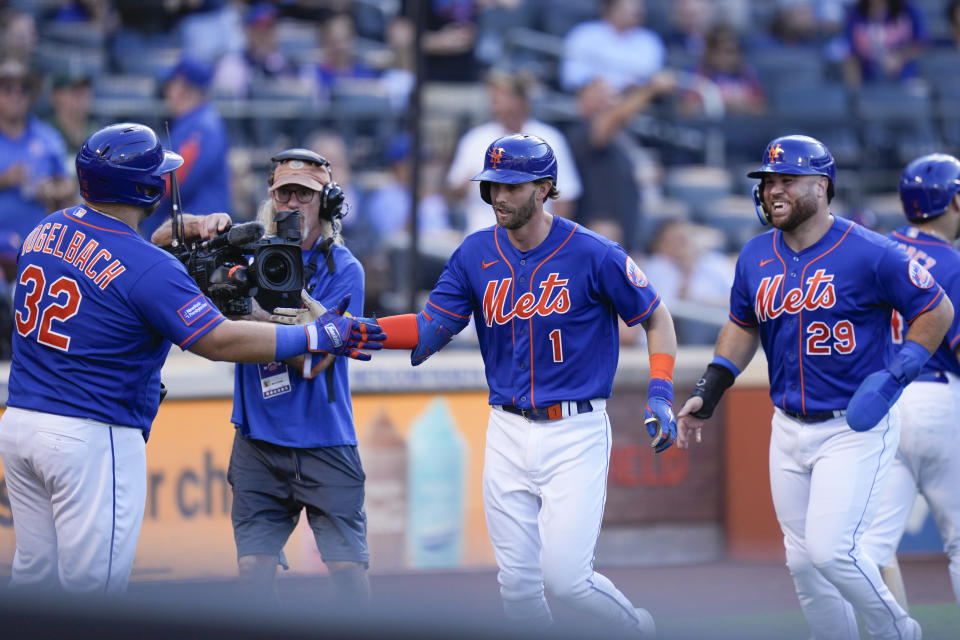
(91, 260)
(498, 307)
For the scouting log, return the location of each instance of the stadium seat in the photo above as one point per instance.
(896, 122)
(698, 186)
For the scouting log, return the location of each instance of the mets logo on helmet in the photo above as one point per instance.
(774, 153)
(496, 156)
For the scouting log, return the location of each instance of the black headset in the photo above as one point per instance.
(331, 196)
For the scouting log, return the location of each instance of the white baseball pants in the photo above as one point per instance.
(544, 489)
(826, 481)
(77, 491)
(928, 460)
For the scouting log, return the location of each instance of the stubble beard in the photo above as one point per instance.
(521, 216)
(803, 208)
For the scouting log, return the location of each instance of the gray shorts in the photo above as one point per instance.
(272, 484)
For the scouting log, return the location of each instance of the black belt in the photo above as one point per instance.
(822, 416)
(932, 376)
(553, 412)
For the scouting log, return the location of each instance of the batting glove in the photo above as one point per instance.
(658, 417)
(336, 333)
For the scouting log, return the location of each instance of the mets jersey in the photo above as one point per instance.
(546, 318)
(824, 313)
(277, 405)
(96, 309)
(942, 260)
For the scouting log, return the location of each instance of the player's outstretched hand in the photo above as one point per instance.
(688, 427)
(661, 423)
(339, 334)
(872, 400)
(310, 311)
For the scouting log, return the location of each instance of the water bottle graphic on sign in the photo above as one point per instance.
(437, 471)
(383, 452)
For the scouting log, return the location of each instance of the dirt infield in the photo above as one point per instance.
(721, 600)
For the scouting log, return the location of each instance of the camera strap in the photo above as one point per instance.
(309, 275)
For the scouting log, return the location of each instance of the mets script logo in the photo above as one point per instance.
(920, 276)
(635, 275)
(774, 153)
(554, 298)
(819, 293)
(496, 156)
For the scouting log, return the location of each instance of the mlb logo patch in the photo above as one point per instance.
(80, 212)
(919, 276)
(635, 275)
(194, 309)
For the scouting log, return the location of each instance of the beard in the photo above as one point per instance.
(803, 208)
(520, 216)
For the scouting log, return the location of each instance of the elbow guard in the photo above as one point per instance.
(434, 334)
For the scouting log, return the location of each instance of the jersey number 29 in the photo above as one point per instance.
(66, 301)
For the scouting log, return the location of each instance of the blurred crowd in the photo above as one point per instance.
(654, 108)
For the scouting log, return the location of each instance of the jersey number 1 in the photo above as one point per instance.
(31, 315)
(557, 345)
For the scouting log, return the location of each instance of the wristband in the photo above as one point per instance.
(291, 341)
(661, 366)
(716, 379)
(908, 362)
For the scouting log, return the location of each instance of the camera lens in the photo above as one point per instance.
(276, 268)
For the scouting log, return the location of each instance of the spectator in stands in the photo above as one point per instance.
(795, 23)
(33, 175)
(340, 62)
(690, 277)
(9, 248)
(389, 204)
(608, 156)
(18, 36)
(509, 95)
(616, 47)
(71, 96)
(200, 136)
(689, 22)
(723, 63)
(449, 40)
(883, 37)
(398, 72)
(261, 60)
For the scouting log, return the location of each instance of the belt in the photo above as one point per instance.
(932, 376)
(822, 416)
(553, 412)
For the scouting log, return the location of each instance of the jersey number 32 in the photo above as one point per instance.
(42, 306)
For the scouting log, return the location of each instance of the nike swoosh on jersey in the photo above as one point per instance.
(764, 263)
(489, 264)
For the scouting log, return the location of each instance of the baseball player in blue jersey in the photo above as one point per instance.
(295, 445)
(927, 460)
(817, 292)
(97, 308)
(545, 295)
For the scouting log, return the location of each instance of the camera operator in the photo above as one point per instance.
(295, 444)
(96, 311)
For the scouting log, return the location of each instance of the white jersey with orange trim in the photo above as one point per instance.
(97, 308)
(546, 318)
(823, 313)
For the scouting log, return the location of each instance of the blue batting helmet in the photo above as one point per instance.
(928, 185)
(794, 155)
(515, 159)
(124, 163)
